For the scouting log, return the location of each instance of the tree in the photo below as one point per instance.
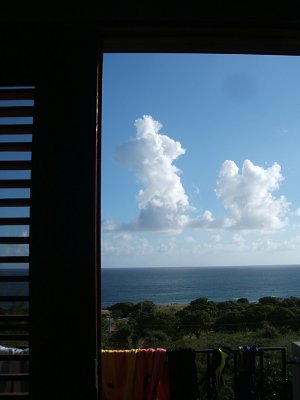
(120, 337)
(193, 322)
(156, 320)
(282, 316)
(105, 336)
(156, 338)
(243, 300)
(199, 302)
(230, 321)
(269, 300)
(256, 314)
(122, 309)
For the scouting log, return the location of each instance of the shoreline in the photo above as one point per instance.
(241, 300)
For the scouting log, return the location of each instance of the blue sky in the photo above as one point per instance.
(200, 160)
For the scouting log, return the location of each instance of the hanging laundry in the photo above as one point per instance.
(151, 378)
(183, 380)
(139, 374)
(246, 379)
(213, 379)
(118, 374)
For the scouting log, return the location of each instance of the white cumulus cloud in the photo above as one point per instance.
(150, 155)
(248, 195)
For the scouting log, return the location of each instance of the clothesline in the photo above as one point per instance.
(160, 374)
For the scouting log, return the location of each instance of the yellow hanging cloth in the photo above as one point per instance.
(118, 374)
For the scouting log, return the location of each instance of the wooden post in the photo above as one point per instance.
(62, 286)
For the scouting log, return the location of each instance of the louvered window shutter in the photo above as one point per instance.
(16, 126)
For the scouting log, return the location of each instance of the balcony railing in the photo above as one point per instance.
(232, 370)
(246, 372)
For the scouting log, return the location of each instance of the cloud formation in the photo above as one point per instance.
(248, 195)
(125, 245)
(150, 155)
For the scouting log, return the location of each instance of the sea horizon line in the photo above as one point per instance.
(211, 266)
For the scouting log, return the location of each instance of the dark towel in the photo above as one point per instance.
(183, 379)
(246, 382)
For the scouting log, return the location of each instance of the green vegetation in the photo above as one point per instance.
(205, 324)
(202, 323)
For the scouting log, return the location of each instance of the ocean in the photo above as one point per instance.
(181, 285)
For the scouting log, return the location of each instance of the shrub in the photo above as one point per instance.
(267, 331)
